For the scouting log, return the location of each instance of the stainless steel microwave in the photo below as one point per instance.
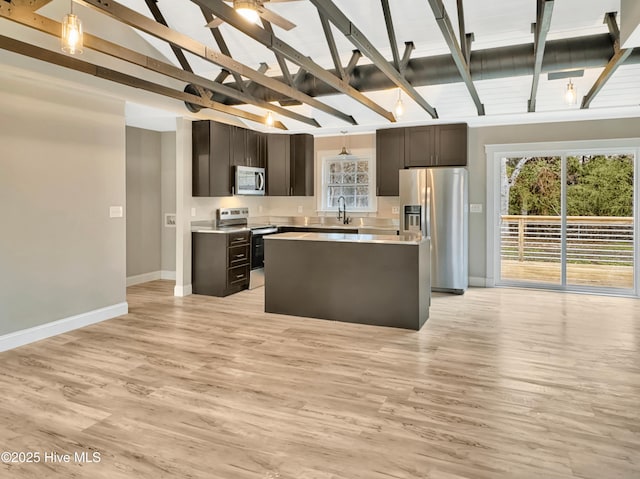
(250, 181)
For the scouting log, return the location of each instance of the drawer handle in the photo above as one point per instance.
(238, 240)
(239, 276)
(239, 256)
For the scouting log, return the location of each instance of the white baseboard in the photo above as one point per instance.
(182, 290)
(171, 275)
(477, 282)
(143, 278)
(43, 331)
(152, 276)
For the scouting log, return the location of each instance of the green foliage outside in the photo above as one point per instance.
(596, 186)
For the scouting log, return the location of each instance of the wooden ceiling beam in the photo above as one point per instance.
(147, 25)
(442, 18)
(230, 16)
(355, 36)
(72, 63)
(25, 17)
(391, 33)
(540, 29)
(619, 57)
(159, 17)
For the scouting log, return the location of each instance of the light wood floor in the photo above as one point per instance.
(500, 383)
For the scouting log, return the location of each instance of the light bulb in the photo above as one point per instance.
(250, 14)
(399, 108)
(571, 95)
(269, 120)
(71, 34)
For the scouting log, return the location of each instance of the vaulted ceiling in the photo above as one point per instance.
(508, 64)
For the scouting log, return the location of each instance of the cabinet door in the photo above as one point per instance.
(262, 150)
(220, 173)
(200, 158)
(278, 169)
(389, 160)
(251, 153)
(302, 165)
(420, 146)
(451, 143)
(238, 146)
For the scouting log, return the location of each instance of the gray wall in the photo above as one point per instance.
(144, 219)
(168, 202)
(534, 133)
(62, 165)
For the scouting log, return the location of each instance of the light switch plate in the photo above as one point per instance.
(193, 212)
(475, 207)
(299, 209)
(115, 212)
(395, 210)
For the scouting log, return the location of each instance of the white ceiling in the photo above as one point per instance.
(494, 23)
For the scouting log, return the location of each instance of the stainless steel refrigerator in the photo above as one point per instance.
(434, 202)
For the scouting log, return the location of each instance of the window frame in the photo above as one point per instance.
(356, 155)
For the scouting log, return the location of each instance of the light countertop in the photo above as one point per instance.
(348, 238)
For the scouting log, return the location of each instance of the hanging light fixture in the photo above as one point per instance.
(269, 119)
(571, 94)
(399, 108)
(344, 151)
(248, 9)
(71, 37)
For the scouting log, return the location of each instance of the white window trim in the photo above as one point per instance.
(359, 154)
(560, 148)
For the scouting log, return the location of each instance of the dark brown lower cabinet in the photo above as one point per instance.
(220, 263)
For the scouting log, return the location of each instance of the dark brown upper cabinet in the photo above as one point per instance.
(302, 165)
(389, 159)
(278, 165)
(211, 156)
(437, 145)
(238, 146)
(451, 144)
(420, 146)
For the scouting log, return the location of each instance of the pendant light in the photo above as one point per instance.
(269, 119)
(571, 94)
(344, 151)
(248, 9)
(71, 37)
(399, 108)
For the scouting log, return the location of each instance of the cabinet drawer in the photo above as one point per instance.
(238, 275)
(237, 239)
(238, 255)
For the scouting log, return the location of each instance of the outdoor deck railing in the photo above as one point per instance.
(590, 239)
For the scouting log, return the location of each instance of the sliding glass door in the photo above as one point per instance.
(566, 221)
(530, 212)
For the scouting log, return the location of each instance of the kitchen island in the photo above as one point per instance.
(382, 280)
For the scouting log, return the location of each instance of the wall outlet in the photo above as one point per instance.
(299, 208)
(193, 212)
(115, 212)
(475, 207)
(260, 208)
(395, 210)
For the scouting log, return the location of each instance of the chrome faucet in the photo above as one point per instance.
(342, 214)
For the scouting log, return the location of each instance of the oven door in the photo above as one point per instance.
(257, 255)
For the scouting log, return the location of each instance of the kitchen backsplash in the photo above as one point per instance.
(280, 206)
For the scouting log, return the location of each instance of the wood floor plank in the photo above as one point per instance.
(499, 384)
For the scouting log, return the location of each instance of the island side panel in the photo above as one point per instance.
(369, 283)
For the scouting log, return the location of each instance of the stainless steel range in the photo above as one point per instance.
(238, 218)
